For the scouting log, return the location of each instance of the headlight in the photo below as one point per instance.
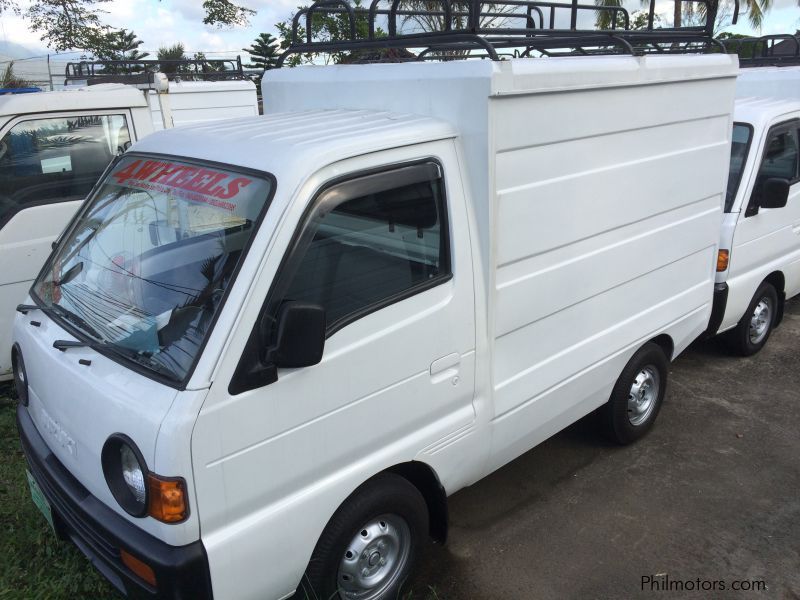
(20, 375)
(126, 474)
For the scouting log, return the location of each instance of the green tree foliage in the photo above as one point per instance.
(225, 13)
(424, 21)
(63, 24)
(264, 52)
(174, 52)
(325, 27)
(116, 44)
(694, 13)
(71, 24)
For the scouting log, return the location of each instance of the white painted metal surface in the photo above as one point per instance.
(767, 243)
(769, 82)
(196, 102)
(584, 200)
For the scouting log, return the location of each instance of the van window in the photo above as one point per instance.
(780, 157)
(364, 251)
(739, 147)
(57, 159)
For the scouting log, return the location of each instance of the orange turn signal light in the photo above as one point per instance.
(138, 567)
(722, 261)
(167, 499)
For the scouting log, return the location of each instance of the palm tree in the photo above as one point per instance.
(683, 11)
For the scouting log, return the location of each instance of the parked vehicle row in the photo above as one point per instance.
(264, 352)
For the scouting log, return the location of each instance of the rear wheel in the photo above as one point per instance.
(369, 546)
(753, 331)
(638, 394)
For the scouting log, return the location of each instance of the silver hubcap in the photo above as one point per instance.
(760, 320)
(374, 558)
(643, 395)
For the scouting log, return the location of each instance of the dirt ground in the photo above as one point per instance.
(708, 501)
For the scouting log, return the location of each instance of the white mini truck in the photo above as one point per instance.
(274, 346)
(759, 260)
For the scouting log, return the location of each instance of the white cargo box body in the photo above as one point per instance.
(197, 102)
(597, 188)
(769, 82)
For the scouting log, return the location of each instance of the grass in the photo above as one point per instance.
(34, 563)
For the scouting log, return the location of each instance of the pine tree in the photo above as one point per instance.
(116, 44)
(264, 52)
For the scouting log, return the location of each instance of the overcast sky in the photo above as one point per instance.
(165, 22)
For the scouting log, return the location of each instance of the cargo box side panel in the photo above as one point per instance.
(607, 218)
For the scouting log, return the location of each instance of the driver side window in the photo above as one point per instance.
(369, 242)
(780, 160)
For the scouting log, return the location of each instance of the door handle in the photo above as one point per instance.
(445, 367)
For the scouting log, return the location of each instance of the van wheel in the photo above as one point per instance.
(753, 331)
(370, 544)
(638, 394)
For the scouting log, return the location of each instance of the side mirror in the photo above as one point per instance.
(774, 193)
(301, 335)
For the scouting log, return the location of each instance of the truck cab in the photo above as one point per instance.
(759, 262)
(55, 145)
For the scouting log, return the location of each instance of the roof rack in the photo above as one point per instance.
(768, 50)
(471, 28)
(139, 71)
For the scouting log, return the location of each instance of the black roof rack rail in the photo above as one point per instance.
(137, 71)
(472, 28)
(777, 50)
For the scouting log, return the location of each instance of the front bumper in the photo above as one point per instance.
(181, 572)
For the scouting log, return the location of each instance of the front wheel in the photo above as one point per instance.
(753, 331)
(638, 394)
(368, 548)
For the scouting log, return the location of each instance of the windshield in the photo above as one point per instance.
(739, 147)
(143, 271)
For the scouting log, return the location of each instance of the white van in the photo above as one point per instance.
(55, 145)
(759, 260)
(266, 351)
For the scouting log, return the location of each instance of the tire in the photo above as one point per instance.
(753, 331)
(346, 563)
(637, 396)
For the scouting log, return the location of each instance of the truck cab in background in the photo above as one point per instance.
(55, 145)
(759, 260)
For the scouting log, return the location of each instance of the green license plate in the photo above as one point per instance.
(39, 500)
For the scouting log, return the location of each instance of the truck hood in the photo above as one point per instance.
(76, 407)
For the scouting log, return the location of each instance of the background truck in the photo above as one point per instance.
(55, 145)
(759, 261)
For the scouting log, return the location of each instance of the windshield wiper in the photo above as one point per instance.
(26, 308)
(76, 320)
(139, 357)
(65, 345)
